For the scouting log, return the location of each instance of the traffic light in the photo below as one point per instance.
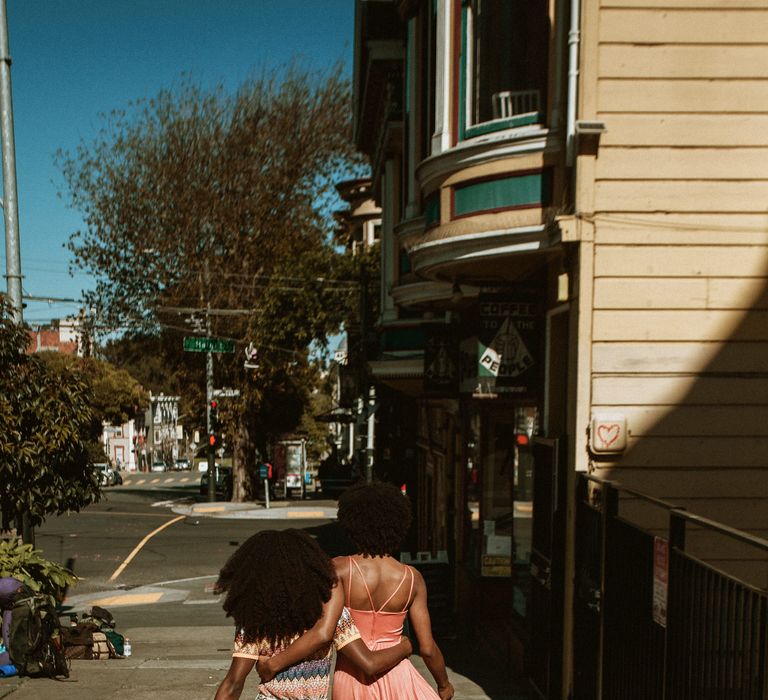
(213, 435)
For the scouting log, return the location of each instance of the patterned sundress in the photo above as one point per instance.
(308, 679)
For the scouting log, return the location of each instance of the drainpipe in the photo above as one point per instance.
(557, 103)
(573, 78)
(574, 37)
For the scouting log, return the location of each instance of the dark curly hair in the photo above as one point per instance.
(276, 583)
(376, 516)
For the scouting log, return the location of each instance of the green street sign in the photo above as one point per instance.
(209, 345)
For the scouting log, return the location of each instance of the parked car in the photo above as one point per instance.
(181, 464)
(159, 466)
(224, 482)
(105, 474)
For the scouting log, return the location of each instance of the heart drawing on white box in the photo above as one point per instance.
(608, 434)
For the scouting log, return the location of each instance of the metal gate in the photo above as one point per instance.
(547, 549)
(651, 620)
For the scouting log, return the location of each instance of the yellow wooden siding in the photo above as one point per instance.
(681, 164)
(645, 421)
(681, 293)
(643, 61)
(676, 96)
(682, 228)
(666, 195)
(662, 325)
(686, 4)
(681, 261)
(679, 357)
(669, 391)
(683, 26)
(673, 129)
(711, 482)
(695, 452)
(678, 195)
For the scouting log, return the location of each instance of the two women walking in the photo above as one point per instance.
(291, 604)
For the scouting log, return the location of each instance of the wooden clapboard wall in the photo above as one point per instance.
(678, 194)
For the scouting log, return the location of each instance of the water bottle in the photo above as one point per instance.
(127, 647)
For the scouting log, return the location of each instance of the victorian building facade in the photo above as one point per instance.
(574, 262)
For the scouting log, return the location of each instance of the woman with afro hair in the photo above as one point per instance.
(280, 585)
(379, 592)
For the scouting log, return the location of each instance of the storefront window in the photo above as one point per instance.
(499, 491)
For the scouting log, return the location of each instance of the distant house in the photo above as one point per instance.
(58, 336)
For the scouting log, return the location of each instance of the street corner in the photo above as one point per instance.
(310, 510)
(144, 595)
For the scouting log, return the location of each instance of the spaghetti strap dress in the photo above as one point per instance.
(380, 629)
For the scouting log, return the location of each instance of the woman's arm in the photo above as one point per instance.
(375, 663)
(428, 649)
(232, 685)
(370, 662)
(309, 642)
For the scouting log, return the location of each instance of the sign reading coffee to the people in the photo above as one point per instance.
(608, 433)
(507, 347)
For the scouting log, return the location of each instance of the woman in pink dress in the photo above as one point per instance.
(379, 592)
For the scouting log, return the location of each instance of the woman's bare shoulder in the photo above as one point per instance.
(341, 565)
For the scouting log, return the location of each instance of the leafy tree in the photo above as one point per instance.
(46, 422)
(117, 396)
(214, 209)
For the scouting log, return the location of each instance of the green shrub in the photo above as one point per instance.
(24, 562)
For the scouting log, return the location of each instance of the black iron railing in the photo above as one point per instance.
(652, 619)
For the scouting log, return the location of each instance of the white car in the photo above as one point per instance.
(159, 466)
(105, 474)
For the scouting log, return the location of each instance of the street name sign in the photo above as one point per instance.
(209, 345)
(226, 393)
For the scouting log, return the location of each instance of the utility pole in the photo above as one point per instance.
(366, 419)
(11, 203)
(209, 390)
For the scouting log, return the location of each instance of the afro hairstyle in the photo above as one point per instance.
(276, 584)
(376, 517)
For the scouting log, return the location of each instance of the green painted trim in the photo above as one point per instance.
(408, 60)
(463, 72)
(499, 124)
(521, 191)
(405, 262)
(432, 209)
(403, 338)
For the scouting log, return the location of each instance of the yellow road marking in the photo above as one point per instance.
(184, 479)
(128, 599)
(154, 481)
(141, 481)
(116, 512)
(169, 480)
(138, 547)
(306, 514)
(209, 509)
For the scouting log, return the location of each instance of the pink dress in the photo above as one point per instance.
(380, 629)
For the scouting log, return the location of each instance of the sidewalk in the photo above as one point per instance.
(172, 663)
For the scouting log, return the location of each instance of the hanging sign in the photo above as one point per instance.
(506, 349)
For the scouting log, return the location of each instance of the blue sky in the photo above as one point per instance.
(75, 59)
